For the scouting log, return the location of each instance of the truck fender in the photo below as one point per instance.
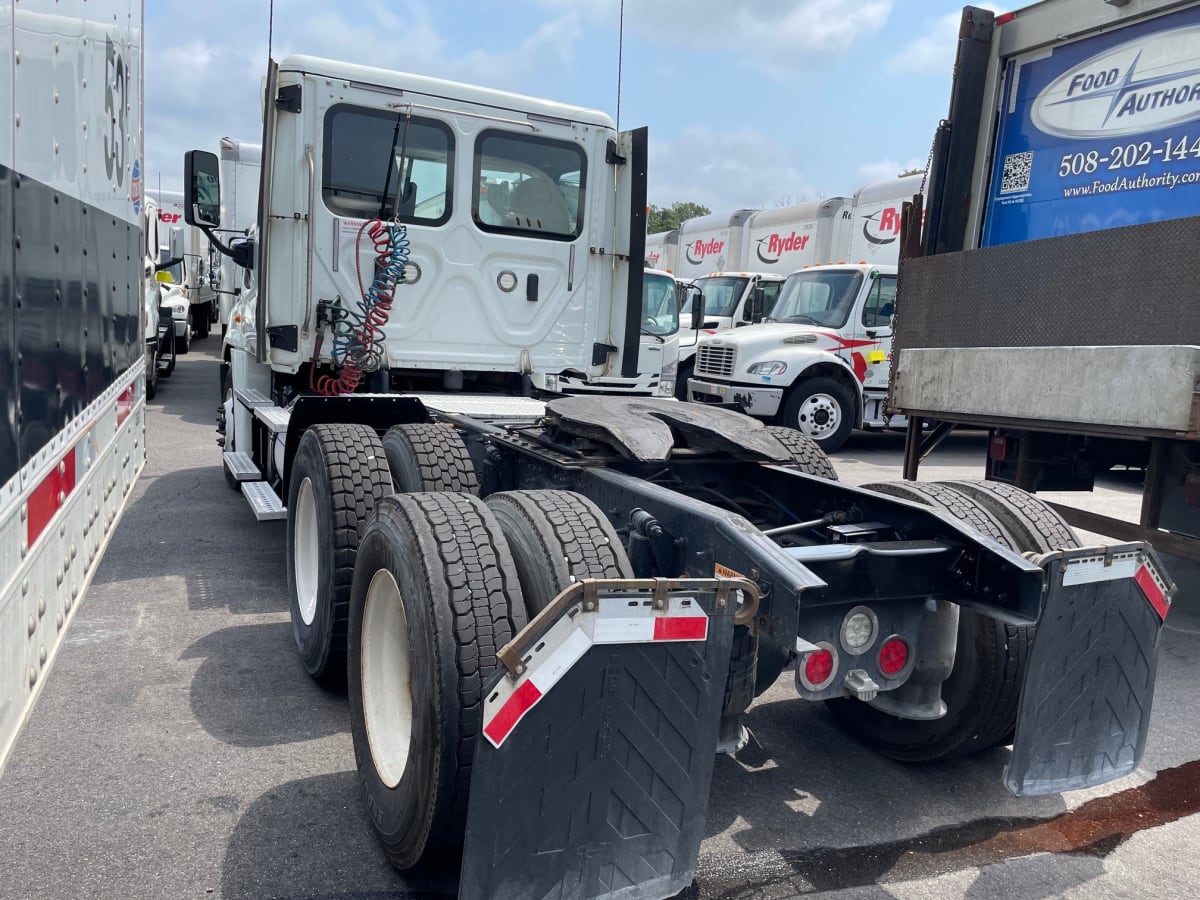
(379, 411)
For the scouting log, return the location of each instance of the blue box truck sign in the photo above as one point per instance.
(1099, 133)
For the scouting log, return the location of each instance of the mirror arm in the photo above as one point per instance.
(167, 264)
(242, 255)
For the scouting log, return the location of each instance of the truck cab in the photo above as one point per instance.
(726, 300)
(817, 363)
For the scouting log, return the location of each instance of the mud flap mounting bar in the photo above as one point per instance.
(1085, 703)
(600, 733)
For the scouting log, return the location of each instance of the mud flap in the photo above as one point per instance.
(592, 777)
(1085, 703)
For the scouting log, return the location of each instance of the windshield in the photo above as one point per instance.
(660, 310)
(721, 295)
(817, 298)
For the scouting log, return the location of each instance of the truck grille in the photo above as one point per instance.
(715, 361)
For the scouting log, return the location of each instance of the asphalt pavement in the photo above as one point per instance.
(179, 750)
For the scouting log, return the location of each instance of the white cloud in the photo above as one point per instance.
(933, 52)
(771, 35)
(206, 86)
(724, 170)
(887, 169)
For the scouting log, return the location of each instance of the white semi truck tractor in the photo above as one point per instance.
(530, 596)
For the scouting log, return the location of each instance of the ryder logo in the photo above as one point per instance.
(698, 249)
(1141, 85)
(882, 227)
(773, 246)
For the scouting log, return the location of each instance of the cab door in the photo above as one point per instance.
(872, 335)
(496, 209)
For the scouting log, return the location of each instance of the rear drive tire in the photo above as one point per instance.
(822, 409)
(184, 344)
(983, 689)
(202, 321)
(151, 371)
(1035, 524)
(557, 538)
(435, 595)
(338, 476)
(428, 457)
(807, 453)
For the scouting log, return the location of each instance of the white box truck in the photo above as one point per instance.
(818, 362)
(72, 350)
(1049, 298)
(193, 300)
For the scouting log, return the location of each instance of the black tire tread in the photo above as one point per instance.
(358, 478)
(807, 453)
(442, 457)
(467, 564)
(574, 538)
(947, 500)
(1034, 523)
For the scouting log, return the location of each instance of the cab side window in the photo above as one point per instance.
(381, 164)
(881, 304)
(527, 185)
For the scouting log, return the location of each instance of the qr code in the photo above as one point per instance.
(1016, 172)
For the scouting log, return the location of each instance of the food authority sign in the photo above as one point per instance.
(1100, 133)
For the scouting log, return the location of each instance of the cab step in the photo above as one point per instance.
(263, 501)
(241, 466)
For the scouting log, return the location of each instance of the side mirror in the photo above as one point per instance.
(175, 243)
(201, 189)
(698, 315)
(754, 305)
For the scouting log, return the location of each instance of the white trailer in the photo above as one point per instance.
(783, 240)
(662, 250)
(72, 348)
(241, 171)
(874, 232)
(712, 243)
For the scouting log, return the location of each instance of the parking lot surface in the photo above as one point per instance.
(179, 750)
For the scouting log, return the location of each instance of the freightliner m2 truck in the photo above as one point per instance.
(73, 354)
(551, 614)
(1050, 298)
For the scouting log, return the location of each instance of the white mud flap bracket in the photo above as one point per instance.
(1089, 685)
(599, 736)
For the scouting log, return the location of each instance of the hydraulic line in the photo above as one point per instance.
(358, 335)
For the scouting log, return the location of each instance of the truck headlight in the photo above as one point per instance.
(178, 308)
(770, 367)
(666, 388)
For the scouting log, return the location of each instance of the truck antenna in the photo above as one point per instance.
(620, 52)
(270, 28)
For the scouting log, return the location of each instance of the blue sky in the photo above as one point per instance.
(750, 103)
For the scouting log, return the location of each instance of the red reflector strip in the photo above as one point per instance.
(690, 628)
(1153, 592)
(49, 496)
(124, 405)
(523, 699)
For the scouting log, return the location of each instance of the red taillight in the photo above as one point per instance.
(893, 656)
(1005, 18)
(998, 449)
(818, 667)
